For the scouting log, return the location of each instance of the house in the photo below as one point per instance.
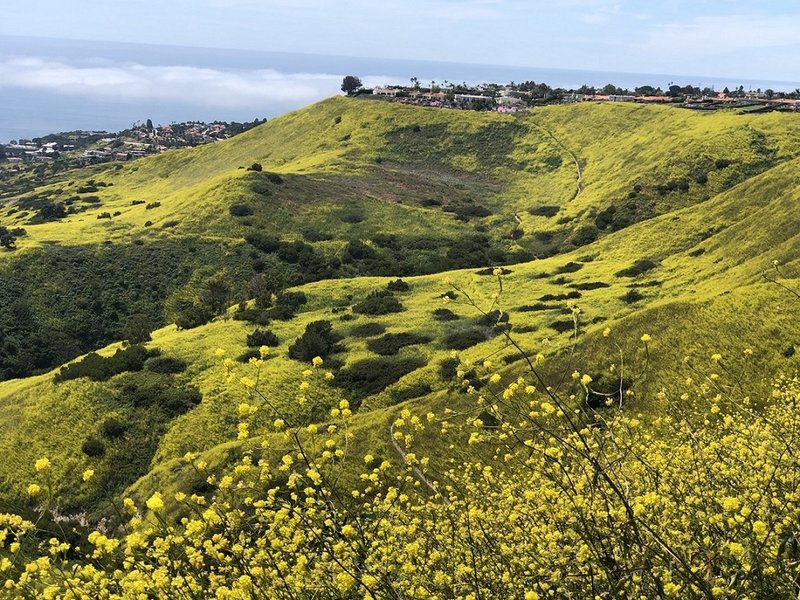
(508, 101)
(470, 99)
(389, 92)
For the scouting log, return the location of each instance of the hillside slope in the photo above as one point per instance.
(686, 267)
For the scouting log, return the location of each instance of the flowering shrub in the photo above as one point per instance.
(533, 493)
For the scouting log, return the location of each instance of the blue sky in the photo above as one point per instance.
(757, 40)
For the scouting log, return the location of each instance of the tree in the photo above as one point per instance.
(217, 292)
(7, 238)
(351, 84)
(137, 329)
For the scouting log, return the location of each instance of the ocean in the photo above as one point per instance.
(51, 85)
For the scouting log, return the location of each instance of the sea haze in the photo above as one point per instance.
(50, 85)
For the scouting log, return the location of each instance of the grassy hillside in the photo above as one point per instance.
(702, 206)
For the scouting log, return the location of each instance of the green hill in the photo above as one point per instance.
(653, 220)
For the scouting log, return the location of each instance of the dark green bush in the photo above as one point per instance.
(391, 343)
(490, 271)
(265, 243)
(570, 267)
(466, 337)
(544, 211)
(398, 285)
(262, 337)
(563, 325)
(318, 339)
(286, 305)
(152, 205)
(379, 302)
(372, 375)
(93, 447)
(367, 330)
(448, 368)
(584, 234)
(631, 296)
(165, 364)
(113, 428)
(637, 268)
(241, 210)
(555, 297)
(493, 318)
(444, 314)
(99, 368)
(157, 391)
(539, 306)
(414, 391)
(589, 285)
(252, 315)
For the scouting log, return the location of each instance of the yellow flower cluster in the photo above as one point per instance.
(537, 496)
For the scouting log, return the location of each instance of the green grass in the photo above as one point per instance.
(710, 242)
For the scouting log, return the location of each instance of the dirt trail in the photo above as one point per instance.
(578, 171)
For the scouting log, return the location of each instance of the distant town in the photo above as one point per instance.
(515, 97)
(76, 148)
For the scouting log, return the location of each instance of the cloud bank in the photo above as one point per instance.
(213, 88)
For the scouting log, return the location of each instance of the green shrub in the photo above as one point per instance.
(570, 267)
(539, 306)
(99, 368)
(262, 337)
(563, 325)
(372, 375)
(165, 364)
(286, 305)
(318, 339)
(444, 315)
(448, 368)
(637, 268)
(589, 285)
(398, 285)
(265, 243)
(379, 302)
(493, 318)
(544, 211)
(367, 330)
(391, 343)
(632, 296)
(152, 205)
(555, 297)
(241, 210)
(157, 391)
(491, 270)
(113, 428)
(466, 337)
(583, 235)
(414, 391)
(252, 315)
(93, 447)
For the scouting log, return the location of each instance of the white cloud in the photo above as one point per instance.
(187, 85)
